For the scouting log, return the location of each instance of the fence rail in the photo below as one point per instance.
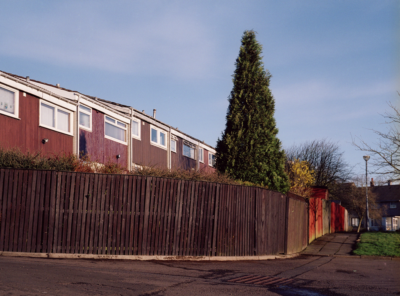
(66, 212)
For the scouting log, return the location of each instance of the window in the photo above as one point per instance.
(355, 222)
(393, 205)
(85, 117)
(388, 223)
(201, 155)
(188, 149)
(9, 99)
(158, 137)
(211, 159)
(173, 146)
(136, 128)
(115, 130)
(55, 118)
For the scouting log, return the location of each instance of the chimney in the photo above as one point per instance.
(154, 113)
(372, 182)
(27, 78)
(58, 85)
(389, 182)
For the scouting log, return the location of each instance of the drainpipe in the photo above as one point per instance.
(130, 142)
(77, 126)
(169, 150)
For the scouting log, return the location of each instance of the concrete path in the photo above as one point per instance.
(332, 244)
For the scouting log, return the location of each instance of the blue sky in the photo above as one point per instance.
(334, 64)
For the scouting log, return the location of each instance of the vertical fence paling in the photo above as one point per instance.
(64, 212)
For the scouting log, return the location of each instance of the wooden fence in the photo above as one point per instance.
(325, 216)
(66, 212)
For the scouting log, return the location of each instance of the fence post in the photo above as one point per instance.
(214, 240)
(286, 224)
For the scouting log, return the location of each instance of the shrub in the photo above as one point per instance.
(14, 158)
(190, 175)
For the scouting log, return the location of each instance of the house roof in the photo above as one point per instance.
(120, 108)
(387, 193)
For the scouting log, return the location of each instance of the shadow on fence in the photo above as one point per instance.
(325, 217)
(82, 213)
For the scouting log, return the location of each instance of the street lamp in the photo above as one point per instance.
(366, 158)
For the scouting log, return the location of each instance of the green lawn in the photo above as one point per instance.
(379, 244)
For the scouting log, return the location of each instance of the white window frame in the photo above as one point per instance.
(87, 113)
(137, 137)
(176, 143)
(56, 108)
(183, 151)
(201, 155)
(16, 102)
(115, 124)
(392, 205)
(210, 158)
(159, 131)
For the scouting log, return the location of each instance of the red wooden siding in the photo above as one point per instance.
(26, 133)
(143, 153)
(178, 160)
(98, 147)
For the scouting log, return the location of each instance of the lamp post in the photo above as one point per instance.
(366, 158)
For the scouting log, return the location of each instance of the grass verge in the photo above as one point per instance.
(379, 244)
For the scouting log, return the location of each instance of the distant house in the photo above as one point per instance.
(387, 199)
(36, 116)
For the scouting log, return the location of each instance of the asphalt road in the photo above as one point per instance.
(312, 275)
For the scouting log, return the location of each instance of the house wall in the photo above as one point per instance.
(204, 166)
(26, 134)
(387, 211)
(143, 153)
(178, 160)
(98, 147)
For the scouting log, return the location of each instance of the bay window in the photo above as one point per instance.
(115, 130)
(158, 137)
(85, 117)
(188, 149)
(211, 159)
(9, 101)
(136, 128)
(173, 146)
(201, 155)
(55, 118)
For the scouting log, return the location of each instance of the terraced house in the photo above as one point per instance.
(36, 116)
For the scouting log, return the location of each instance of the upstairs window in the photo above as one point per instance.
(211, 159)
(173, 146)
(55, 118)
(188, 149)
(136, 128)
(201, 155)
(9, 99)
(85, 117)
(115, 130)
(393, 205)
(158, 137)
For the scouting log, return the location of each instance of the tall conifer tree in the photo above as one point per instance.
(249, 149)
